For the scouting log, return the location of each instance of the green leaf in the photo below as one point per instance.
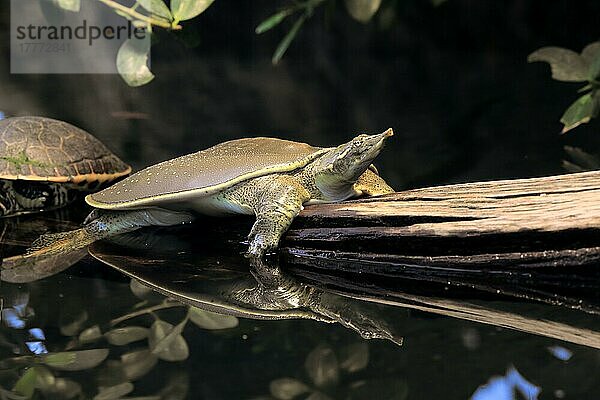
(354, 357)
(156, 7)
(62, 388)
(591, 51)
(272, 21)
(90, 334)
(124, 336)
(69, 5)
(114, 392)
(59, 359)
(136, 364)
(45, 378)
(132, 62)
(166, 342)
(26, 384)
(362, 10)
(212, 321)
(587, 87)
(75, 360)
(322, 367)
(566, 65)
(287, 388)
(580, 112)
(183, 10)
(55, 388)
(287, 40)
(143, 292)
(591, 54)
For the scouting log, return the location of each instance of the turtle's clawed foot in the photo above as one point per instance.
(263, 238)
(260, 245)
(279, 204)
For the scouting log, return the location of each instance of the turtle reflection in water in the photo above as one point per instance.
(45, 164)
(173, 266)
(270, 178)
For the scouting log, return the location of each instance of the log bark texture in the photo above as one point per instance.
(545, 221)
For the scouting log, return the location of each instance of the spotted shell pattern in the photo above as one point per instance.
(44, 149)
(206, 172)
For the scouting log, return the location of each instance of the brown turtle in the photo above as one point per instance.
(45, 164)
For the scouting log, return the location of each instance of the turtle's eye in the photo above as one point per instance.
(359, 140)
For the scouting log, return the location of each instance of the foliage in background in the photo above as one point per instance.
(132, 58)
(569, 66)
(566, 65)
(133, 54)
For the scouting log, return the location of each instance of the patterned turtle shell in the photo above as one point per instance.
(44, 149)
(206, 172)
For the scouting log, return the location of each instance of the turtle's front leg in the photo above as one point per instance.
(277, 202)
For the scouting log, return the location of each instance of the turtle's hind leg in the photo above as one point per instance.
(102, 224)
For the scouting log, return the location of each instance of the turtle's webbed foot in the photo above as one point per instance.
(260, 244)
(266, 232)
(279, 200)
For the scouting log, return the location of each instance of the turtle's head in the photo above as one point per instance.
(338, 169)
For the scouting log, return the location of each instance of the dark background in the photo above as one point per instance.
(453, 81)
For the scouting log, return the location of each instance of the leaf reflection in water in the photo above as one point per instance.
(155, 339)
(330, 375)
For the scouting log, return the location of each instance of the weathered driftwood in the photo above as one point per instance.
(538, 222)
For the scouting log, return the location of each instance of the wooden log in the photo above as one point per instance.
(510, 223)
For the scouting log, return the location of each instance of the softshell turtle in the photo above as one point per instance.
(270, 178)
(45, 163)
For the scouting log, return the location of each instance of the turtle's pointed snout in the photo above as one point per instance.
(379, 139)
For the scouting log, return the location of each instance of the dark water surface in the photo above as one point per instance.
(454, 84)
(284, 332)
